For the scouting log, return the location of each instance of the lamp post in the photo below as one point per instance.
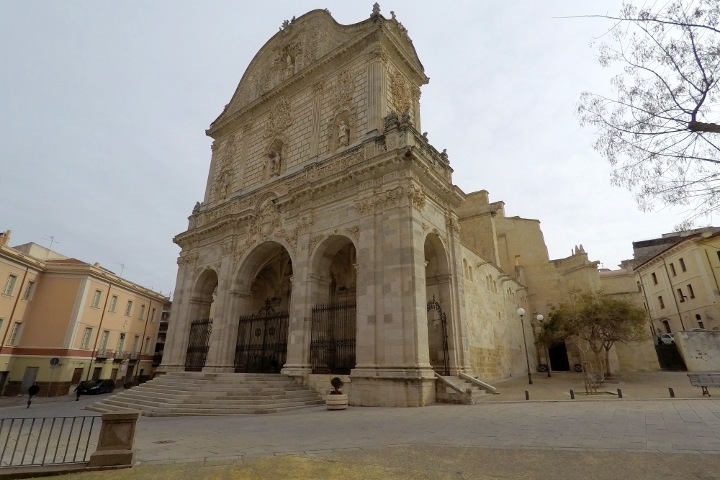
(540, 319)
(521, 312)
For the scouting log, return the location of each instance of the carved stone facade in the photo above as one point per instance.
(323, 196)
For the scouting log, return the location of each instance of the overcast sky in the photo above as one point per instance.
(103, 108)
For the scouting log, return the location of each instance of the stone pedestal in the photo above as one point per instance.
(115, 445)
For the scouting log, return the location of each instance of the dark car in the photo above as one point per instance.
(93, 387)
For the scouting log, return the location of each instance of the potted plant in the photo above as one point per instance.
(336, 400)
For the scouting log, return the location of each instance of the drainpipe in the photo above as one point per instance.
(93, 357)
(717, 288)
(672, 294)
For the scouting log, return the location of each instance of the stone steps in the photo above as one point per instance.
(197, 393)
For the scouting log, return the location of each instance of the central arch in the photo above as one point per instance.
(334, 324)
(265, 291)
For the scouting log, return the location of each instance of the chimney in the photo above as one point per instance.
(5, 238)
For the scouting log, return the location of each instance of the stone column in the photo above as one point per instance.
(460, 354)
(221, 348)
(179, 325)
(377, 88)
(298, 347)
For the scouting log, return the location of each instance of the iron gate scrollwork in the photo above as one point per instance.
(332, 338)
(198, 345)
(262, 341)
(444, 368)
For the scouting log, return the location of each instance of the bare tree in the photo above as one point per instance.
(659, 131)
(597, 321)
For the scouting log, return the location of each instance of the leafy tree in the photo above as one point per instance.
(658, 129)
(596, 319)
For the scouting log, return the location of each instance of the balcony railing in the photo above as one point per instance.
(134, 355)
(120, 355)
(104, 353)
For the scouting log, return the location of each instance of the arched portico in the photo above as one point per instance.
(261, 301)
(201, 318)
(333, 292)
(438, 295)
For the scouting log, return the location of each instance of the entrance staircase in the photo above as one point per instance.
(462, 389)
(196, 393)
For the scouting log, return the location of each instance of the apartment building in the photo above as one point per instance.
(63, 320)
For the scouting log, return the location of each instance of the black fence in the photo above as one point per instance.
(198, 345)
(46, 441)
(332, 341)
(262, 342)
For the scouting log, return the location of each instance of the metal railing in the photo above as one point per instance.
(46, 441)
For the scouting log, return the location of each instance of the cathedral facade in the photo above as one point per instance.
(331, 239)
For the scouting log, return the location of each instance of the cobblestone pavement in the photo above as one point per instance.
(605, 426)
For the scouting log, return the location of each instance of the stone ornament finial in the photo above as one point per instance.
(375, 15)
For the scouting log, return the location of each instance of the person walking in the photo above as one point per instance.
(78, 390)
(32, 391)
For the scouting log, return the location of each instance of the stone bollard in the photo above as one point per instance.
(115, 445)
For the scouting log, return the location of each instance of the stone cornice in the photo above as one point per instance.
(16, 256)
(103, 275)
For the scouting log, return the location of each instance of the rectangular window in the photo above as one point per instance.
(113, 303)
(104, 341)
(10, 284)
(29, 289)
(152, 315)
(691, 291)
(682, 265)
(142, 312)
(136, 343)
(96, 299)
(660, 301)
(86, 338)
(147, 344)
(15, 333)
(681, 295)
(672, 269)
(654, 277)
(120, 343)
(128, 308)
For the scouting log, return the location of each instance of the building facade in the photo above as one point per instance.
(680, 283)
(63, 320)
(331, 239)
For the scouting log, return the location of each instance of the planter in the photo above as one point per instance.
(336, 402)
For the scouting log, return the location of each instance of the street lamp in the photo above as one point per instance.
(521, 312)
(540, 319)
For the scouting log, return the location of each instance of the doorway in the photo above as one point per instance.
(559, 358)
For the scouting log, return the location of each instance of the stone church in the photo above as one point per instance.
(331, 239)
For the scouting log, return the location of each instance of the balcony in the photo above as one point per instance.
(103, 354)
(134, 355)
(120, 355)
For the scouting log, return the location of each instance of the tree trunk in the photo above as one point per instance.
(607, 362)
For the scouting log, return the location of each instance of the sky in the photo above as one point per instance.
(104, 105)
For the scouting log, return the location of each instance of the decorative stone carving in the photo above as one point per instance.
(280, 118)
(417, 197)
(188, 258)
(314, 241)
(400, 91)
(379, 202)
(451, 223)
(376, 52)
(354, 231)
(227, 247)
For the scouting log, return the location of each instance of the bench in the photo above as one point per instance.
(704, 380)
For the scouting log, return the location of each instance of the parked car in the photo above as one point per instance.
(93, 387)
(667, 338)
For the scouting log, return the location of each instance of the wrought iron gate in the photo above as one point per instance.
(442, 366)
(198, 345)
(262, 341)
(332, 338)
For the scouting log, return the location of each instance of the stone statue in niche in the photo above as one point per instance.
(274, 163)
(289, 66)
(343, 134)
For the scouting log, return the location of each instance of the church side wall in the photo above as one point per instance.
(494, 328)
